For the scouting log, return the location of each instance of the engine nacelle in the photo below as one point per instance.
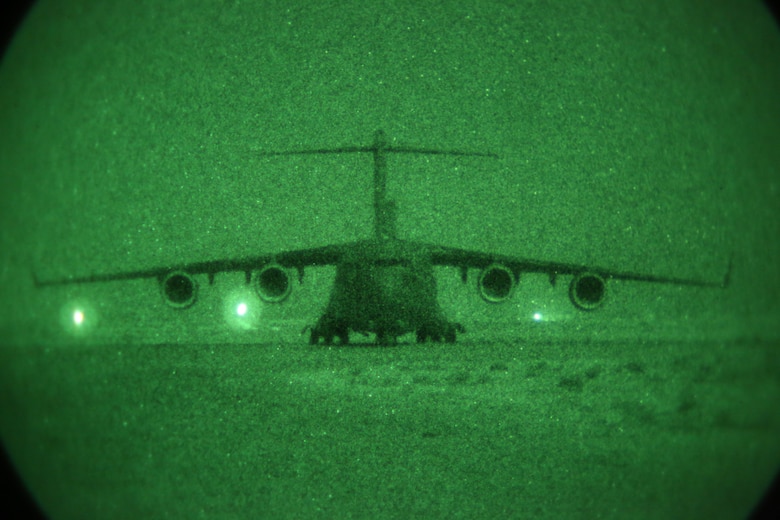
(179, 289)
(588, 291)
(273, 283)
(496, 283)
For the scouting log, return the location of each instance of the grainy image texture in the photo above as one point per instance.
(637, 139)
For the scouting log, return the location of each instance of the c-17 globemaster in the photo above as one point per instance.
(383, 285)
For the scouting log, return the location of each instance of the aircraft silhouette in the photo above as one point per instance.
(383, 285)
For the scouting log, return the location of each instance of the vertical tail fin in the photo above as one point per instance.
(385, 212)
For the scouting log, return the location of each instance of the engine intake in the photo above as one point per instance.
(587, 291)
(272, 283)
(496, 283)
(179, 289)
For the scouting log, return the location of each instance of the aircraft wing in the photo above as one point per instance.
(464, 259)
(298, 259)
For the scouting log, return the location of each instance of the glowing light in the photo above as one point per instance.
(537, 316)
(241, 310)
(78, 318)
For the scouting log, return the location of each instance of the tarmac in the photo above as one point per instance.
(510, 429)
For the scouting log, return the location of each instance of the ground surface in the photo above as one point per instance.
(478, 430)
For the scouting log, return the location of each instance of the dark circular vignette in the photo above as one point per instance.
(17, 503)
(770, 505)
(14, 12)
(774, 8)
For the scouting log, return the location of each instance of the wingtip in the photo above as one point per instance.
(727, 277)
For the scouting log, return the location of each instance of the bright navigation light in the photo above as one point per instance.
(78, 317)
(537, 316)
(241, 309)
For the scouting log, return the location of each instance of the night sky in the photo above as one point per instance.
(631, 136)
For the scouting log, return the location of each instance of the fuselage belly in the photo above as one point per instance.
(393, 299)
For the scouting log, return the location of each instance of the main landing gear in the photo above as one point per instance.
(328, 333)
(340, 336)
(336, 333)
(438, 332)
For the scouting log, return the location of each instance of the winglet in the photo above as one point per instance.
(727, 277)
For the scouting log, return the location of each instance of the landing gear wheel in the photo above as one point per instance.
(438, 332)
(328, 332)
(449, 334)
(385, 339)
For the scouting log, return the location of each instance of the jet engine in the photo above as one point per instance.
(179, 289)
(273, 284)
(496, 283)
(587, 291)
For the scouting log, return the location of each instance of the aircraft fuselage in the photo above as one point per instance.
(385, 287)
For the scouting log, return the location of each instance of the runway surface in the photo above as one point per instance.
(610, 429)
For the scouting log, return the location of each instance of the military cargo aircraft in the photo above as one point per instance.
(383, 285)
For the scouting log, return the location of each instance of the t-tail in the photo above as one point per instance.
(385, 213)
